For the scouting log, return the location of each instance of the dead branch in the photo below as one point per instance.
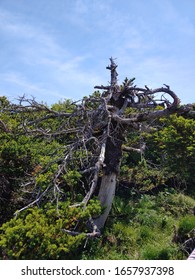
(95, 230)
(130, 149)
(98, 166)
(150, 115)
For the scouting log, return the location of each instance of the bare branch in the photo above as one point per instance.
(89, 234)
(32, 203)
(145, 116)
(43, 132)
(131, 149)
(95, 231)
(98, 166)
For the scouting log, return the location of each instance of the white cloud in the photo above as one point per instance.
(40, 52)
(32, 40)
(24, 86)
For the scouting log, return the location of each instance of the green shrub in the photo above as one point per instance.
(37, 233)
(175, 204)
(146, 234)
(186, 225)
(158, 252)
(124, 233)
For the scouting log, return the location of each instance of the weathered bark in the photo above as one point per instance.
(113, 155)
(106, 195)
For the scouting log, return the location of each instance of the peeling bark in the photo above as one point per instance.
(106, 196)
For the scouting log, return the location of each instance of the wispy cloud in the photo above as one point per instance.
(39, 50)
(31, 39)
(68, 55)
(30, 89)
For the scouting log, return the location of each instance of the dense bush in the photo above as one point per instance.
(37, 233)
(172, 148)
(186, 227)
(156, 252)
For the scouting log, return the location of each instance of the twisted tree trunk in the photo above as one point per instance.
(117, 99)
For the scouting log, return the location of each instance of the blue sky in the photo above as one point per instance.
(57, 49)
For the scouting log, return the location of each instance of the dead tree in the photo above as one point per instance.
(99, 125)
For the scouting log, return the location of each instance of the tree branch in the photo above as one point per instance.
(130, 149)
(98, 166)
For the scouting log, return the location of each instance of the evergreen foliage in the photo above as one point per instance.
(38, 232)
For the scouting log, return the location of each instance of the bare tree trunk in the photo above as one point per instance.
(113, 154)
(106, 195)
